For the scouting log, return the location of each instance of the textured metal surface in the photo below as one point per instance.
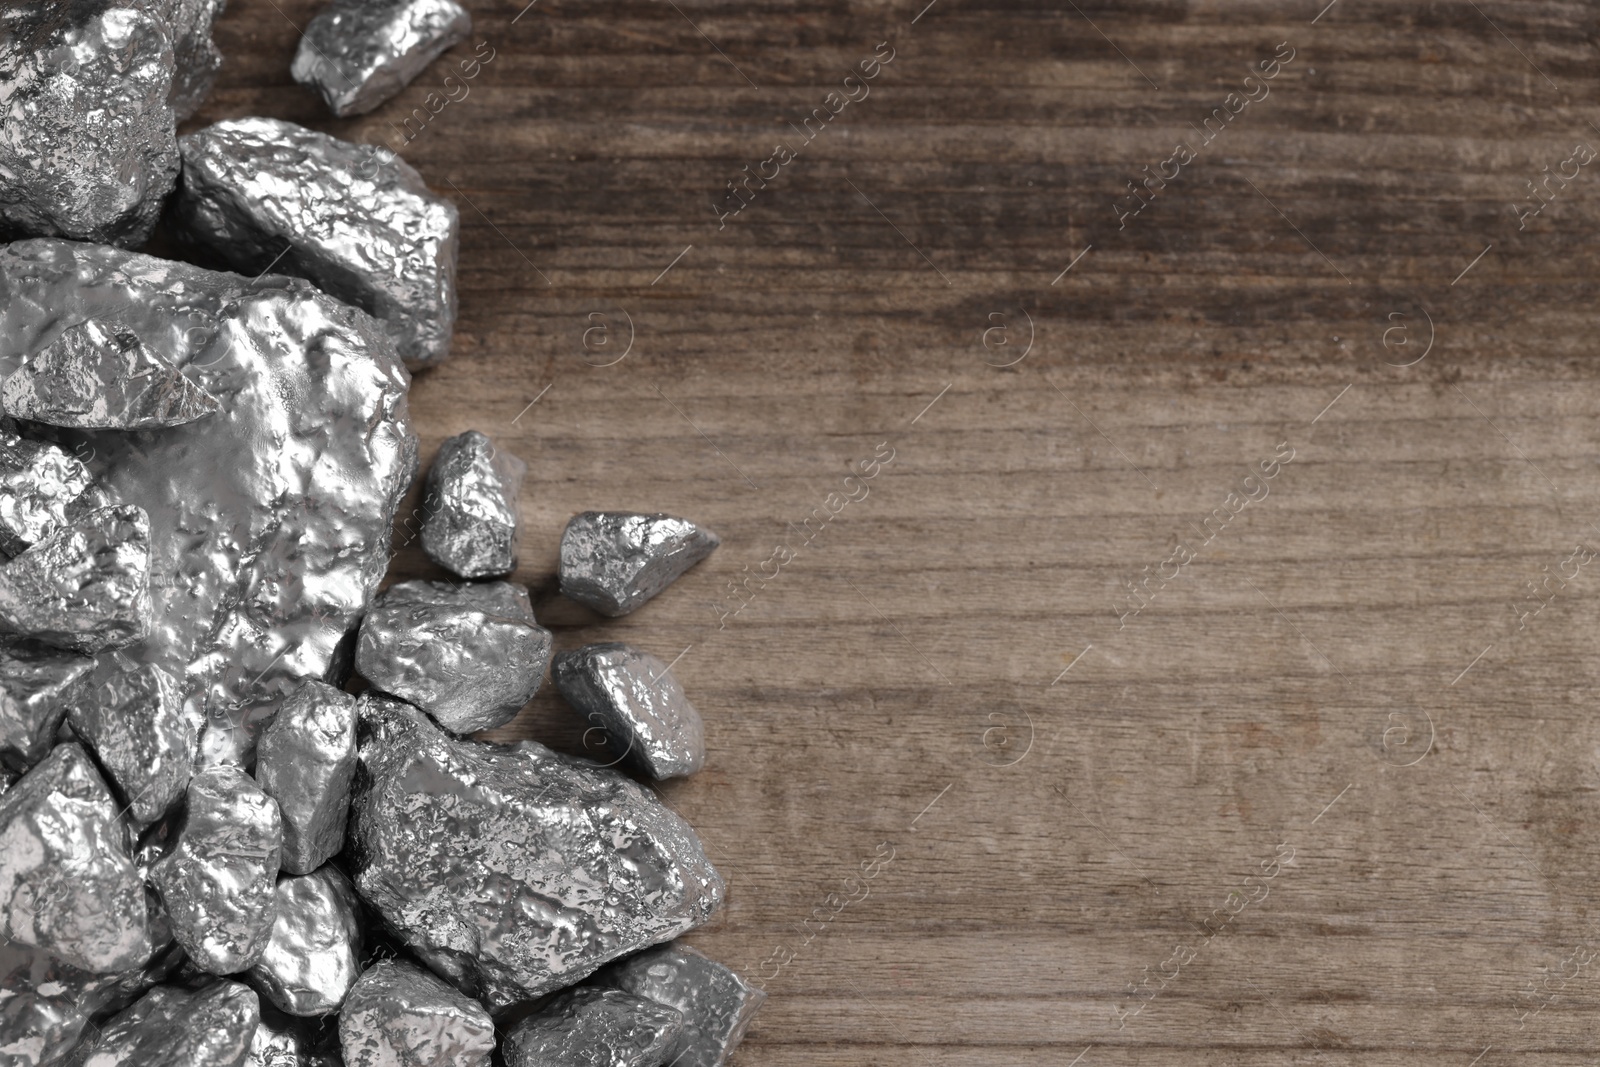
(100, 376)
(515, 870)
(589, 1027)
(469, 655)
(86, 587)
(130, 715)
(262, 192)
(359, 53)
(269, 523)
(472, 491)
(217, 881)
(633, 702)
(86, 135)
(45, 1003)
(305, 760)
(613, 561)
(172, 1027)
(717, 1005)
(196, 58)
(312, 958)
(33, 679)
(37, 483)
(399, 1015)
(68, 883)
(272, 1046)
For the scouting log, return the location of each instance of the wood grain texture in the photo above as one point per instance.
(1071, 794)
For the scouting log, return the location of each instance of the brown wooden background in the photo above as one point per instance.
(1271, 695)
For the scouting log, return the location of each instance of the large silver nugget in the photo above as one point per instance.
(613, 561)
(589, 1027)
(366, 230)
(100, 376)
(716, 1003)
(399, 1015)
(305, 761)
(45, 1004)
(469, 655)
(359, 53)
(217, 881)
(68, 883)
(33, 682)
(87, 149)
(172, 1027)
(86, 587)
(37, 483)
(472, 492)
(312, 958)
(634, 702)
(514, 870)
(196, 57)
(269, 522)
(130, 715)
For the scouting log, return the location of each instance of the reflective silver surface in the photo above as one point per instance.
(469, 655)
(472, 490)
(99, 376)
(312, 959)
(86, 134)
(399, 1015)
(45, 1003)
(353, 218)
(85, 587)
(217, 881)
(269, 522)
(68, 883)
(196, 58)
(33, 679)
(717, 1005)
(130, 715)
(359, 53)
(635, 706)
(305, 760)
(512, 869)
(613, 561)
(172, 1027)
(37, 482)
(590, 1027)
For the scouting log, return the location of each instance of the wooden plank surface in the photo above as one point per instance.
(1341, 688)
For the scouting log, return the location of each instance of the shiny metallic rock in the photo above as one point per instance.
(312, 959)
(45, 1004)
(218, 880)
(33, 681)
(716, 1003)
(37, 483)
(399, 1015)
(589, 1027)
(632, 700)
(359, 53)
(613, 561)
(87, 146)
(514, 870)
(196, 58)
(269, 522)
(100, 376)
(130, 715)
(273, 1047)
(305, 760)
(86, 587)
(472, 490)
(172, 1027)
(258, 192)
(68, 883)
(469, 655)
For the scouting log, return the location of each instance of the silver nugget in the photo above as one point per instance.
(33, 682)
(469, 655)
(588, 1027)
(359, 53)
(471, 494)
(130, 715)
(312, 958)
(305, 760)
(86, 587)
(716, 1003)
(353, 218)
(218, 880)
(38, 482)
(68, 883)
(514, 870)
(99, 376)
(196, 58)
(399, 1015)
(635, 706)
(172, 1027)
(614, 561)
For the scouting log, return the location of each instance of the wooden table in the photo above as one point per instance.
(1365, 683)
